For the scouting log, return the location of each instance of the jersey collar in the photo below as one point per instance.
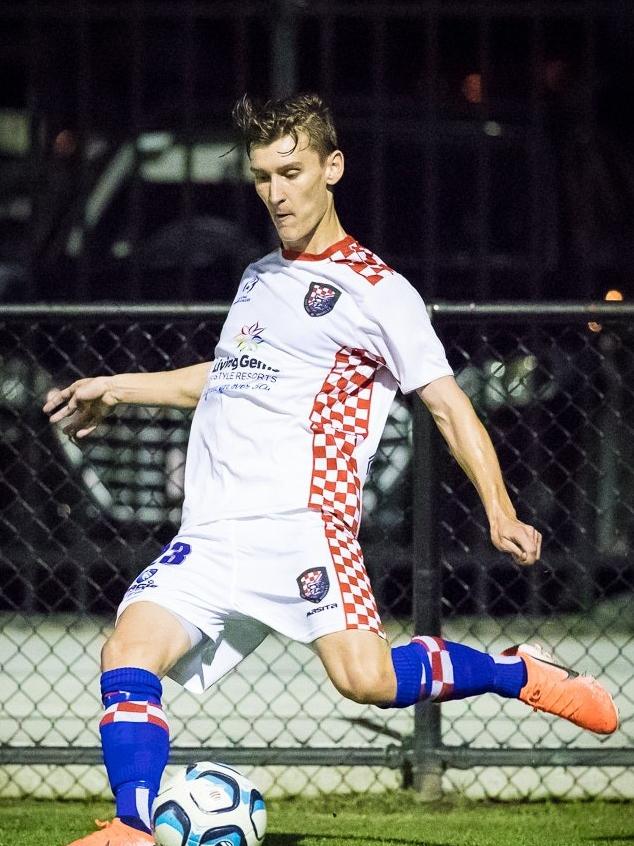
(338, 245)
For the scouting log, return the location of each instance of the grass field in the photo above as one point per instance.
(393, 819)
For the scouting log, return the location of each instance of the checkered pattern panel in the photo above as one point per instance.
(135, 712)
(339, 421)
(441, 667)
(362, 261)
(359, 603)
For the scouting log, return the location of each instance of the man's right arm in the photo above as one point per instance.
(86, 402)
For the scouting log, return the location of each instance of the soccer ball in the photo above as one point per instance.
(211, 805)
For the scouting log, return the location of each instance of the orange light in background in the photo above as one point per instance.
(65, 144)
(612, 296)
(472, 88)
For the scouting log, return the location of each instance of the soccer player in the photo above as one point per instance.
(289, 413)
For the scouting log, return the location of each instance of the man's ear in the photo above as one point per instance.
(334, 167)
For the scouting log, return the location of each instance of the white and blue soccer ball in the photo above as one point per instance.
(209, 804)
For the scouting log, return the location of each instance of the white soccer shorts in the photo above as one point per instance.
(299, 573)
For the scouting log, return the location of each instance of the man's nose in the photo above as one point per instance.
(276, 194)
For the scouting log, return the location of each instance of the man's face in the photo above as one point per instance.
(292, 181)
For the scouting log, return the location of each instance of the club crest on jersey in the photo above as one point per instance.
(313, 584)
(320, 299)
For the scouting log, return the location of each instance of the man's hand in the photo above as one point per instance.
(523, 542)
(85, 403)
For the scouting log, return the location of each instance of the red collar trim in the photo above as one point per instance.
(293, 256)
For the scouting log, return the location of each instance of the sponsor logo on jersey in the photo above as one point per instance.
(246, 362)
(313, 584)
(239, 372)
(245, 289)
(249, 337)
(320, 299)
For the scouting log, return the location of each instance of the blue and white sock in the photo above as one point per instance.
(135, 741)
(440, 670)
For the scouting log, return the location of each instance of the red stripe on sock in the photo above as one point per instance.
(132, 707)
(436, 666)
(157, 721)
(446, 690)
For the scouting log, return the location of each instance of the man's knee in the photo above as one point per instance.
(359, 665)
(121, 650)
(146, 636)
(365, 685)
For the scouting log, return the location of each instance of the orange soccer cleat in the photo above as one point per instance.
(115, 833)
(565, 693)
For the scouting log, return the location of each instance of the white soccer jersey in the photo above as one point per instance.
(306, 368)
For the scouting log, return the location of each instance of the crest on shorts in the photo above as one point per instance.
(320, 299)
(313, 584)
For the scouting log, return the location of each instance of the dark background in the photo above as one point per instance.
(489, 144)
(489, 156)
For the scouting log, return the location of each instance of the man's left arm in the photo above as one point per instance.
(472, 448)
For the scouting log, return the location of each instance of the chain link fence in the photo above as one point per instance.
(556, 390)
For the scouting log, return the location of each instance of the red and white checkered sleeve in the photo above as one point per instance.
(402, 333)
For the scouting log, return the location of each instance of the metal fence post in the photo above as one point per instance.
(284, 52)
(427, 769)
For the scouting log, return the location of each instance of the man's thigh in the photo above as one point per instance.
(191, 578)
(146, 636)
(195, 634)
